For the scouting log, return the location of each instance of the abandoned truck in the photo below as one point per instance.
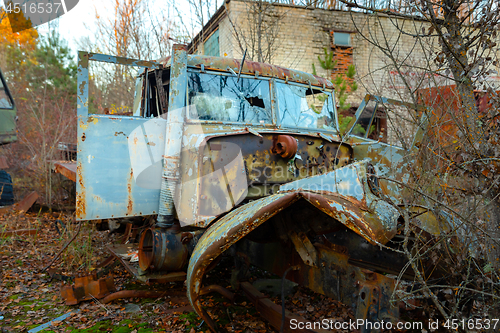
(232, 157)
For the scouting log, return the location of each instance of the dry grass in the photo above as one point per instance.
(55, 230)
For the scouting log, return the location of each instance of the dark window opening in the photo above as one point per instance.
(372, 123)
(153, 106)
(389, 122)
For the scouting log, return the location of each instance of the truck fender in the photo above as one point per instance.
(240, 222)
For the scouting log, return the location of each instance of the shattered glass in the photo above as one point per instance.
(225, 98)
(301, 106)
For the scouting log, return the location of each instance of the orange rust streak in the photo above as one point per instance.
(129, 191)
(80, 195)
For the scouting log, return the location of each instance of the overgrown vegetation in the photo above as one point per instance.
(41, 74)
(345, 86)
(457, 176)
(450, 53)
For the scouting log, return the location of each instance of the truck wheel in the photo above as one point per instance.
(6, 190)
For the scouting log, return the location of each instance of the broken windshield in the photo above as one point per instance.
(301, 106)
(225, 98)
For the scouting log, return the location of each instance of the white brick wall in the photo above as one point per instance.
(304, 33)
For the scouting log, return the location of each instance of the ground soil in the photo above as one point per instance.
(30, 297)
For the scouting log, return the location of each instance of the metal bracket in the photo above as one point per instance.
(86, 288)
(374, 295)
(304, 248)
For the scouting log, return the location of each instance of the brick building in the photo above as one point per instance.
(294, 37)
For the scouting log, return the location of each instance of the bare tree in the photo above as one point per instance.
(258, 29)
(458, 172)
(134, 31)
(188, 24)
(41, 76)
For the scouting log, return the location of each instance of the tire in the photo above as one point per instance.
(6, 189)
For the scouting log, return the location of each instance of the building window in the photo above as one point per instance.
(212, 45)
(342, 38)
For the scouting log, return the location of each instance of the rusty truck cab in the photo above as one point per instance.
(220, 153)
(237, 119)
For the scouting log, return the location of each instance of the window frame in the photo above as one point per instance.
(8, 94)
(342, 32)
(208, 40)
(383, 101)
(244, 76)
(331, 93)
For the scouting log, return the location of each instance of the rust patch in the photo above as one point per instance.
(83, 137)
(83, 125)
(18, 232)
(130, 203)
(284, 145)
(80, 195)
(251, 68)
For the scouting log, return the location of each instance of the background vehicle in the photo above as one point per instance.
(7, 135)
(7, 114)
(223, 157)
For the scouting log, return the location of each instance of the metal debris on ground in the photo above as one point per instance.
(87, 288)
(23, 205)
(48, 324)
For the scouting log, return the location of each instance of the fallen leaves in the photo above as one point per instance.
(30, 298)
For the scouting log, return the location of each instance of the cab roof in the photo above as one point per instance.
(252, 68)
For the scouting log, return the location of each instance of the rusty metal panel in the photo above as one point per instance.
(427, 220)
(220, 169)
(107, 185)
(86, 288)
(388, 161)
(376, 223)
(346, 181)
(66, 168)
(225, 233)
(345, 195)
(237, 224)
